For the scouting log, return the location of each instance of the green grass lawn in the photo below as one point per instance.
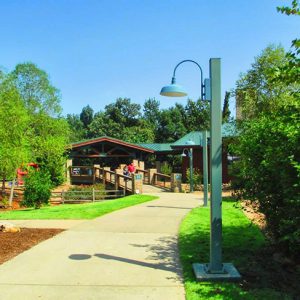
(243, 245)
(75, 211)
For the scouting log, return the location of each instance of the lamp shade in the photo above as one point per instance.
(173, 90)
(190, 143)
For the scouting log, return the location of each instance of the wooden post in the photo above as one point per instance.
(151, 176)
(93, 195)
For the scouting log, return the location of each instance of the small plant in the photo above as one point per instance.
(4, 202)
(197, 178)
(166, 169)
(37, 189)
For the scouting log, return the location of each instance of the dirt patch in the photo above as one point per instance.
(250, 209)
(12, 244)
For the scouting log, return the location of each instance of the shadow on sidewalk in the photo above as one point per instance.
(163, 253)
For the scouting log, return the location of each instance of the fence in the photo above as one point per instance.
(85, 196)
(162, 180)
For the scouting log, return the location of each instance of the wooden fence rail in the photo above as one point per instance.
(85, 196)
(162, 180)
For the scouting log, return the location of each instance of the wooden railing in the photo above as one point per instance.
(146, 178)
(85, 196)
(119, 181)
(162, 180)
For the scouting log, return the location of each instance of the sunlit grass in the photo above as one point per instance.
(75, 211)
(241, 240)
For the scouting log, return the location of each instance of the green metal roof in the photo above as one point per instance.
(195, 136)
(228, 130)
(157, 147)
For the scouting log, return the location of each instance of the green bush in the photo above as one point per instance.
(197, 178)
(37, 189)
(166, 169)
(269, 171)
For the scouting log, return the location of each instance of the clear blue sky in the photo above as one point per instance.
(98, 50)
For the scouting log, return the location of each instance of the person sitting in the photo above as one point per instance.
(131, 168)
(125, 171)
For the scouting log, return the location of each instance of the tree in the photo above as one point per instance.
(256, 91)
(86, 116)
(197, 115)
(49, 139)
(123, 112)
(268, 170)
(14, 125)
(171, 125)
(36, 90)
(268, 147)
(226, 111)
(37, 189)
(49, 133)
(293, 10)
(151, 112)
(77, 131)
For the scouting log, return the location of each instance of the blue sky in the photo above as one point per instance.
(98, 50)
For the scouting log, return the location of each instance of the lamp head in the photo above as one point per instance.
(173, 90)
(190, 143)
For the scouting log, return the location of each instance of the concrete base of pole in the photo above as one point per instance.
(229, 273)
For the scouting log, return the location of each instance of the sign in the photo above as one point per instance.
(138, 176)
(178, 177)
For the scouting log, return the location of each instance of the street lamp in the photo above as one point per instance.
(215, 269)
(175, 90)
(190, 155)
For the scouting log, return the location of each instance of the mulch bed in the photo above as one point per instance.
(12, 244)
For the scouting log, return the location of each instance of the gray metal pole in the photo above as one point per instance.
(205, 167)
(215, 264)
(191, 170)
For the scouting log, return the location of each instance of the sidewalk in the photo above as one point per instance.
(127, 254)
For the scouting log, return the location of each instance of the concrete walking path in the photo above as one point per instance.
(128, 254)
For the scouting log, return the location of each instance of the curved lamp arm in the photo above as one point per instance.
(192, 61)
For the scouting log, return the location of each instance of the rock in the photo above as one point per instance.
(9, 227)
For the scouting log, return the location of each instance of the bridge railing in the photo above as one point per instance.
(146, 177)
(119, 181)
(162, 180)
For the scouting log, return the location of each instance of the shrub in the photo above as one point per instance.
(197, 178)
(37, 189)
(269, 171)
(166, 169)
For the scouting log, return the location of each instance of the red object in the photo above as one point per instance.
(131, 168)
(21, 173)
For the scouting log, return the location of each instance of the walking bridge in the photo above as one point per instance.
(143, 181)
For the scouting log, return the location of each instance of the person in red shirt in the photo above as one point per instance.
(131, 168)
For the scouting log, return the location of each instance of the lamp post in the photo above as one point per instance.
(215, 269)
(190, 155)
(174, 90)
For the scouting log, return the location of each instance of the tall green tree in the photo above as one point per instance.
(49, 134)
(269, 142)
(35, 89)
(197, 115)
(171, 125)
(256, 91)
(77, 130)
(151, 112)
(86, 116)
(123, 112)
(14, 126)
(226, 110)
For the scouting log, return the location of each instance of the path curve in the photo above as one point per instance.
(128, 254)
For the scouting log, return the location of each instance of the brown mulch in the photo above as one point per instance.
(12, 244)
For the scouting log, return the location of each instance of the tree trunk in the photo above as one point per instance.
(12, 192)
(3, 185)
